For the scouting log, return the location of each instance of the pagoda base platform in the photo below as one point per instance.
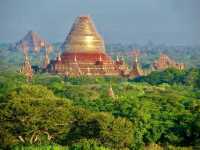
(85, 64)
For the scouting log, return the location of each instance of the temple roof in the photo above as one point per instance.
(33, 41)
(136, 71)
(165, 62)
(83, 37)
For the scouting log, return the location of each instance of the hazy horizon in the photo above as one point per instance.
(173, 22)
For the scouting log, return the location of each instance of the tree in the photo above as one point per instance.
(30, 112)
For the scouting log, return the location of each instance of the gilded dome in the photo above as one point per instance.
(84, 37)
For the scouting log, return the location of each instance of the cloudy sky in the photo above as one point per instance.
(174, 22)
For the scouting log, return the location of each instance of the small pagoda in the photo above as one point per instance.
(26, 67)
(136, 69)
(111, 92)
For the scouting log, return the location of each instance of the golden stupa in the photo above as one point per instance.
(84, 53)
(84, 37)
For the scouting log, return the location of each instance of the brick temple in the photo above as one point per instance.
(165, 62)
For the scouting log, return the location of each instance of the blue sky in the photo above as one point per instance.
(174, 22)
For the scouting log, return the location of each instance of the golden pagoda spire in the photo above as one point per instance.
(117, 58)
(136, 70)
(122, 58)
(136, 54)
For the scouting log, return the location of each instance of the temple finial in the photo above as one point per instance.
(117, 58)
(136, 54)
(136, 69)
(58, 58)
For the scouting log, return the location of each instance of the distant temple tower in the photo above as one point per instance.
(84, 53)
(34, 42)
(26, 67)
(136, 69)
(165, 62)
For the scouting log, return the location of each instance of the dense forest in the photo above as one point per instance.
(160, 111)
(156, 112)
